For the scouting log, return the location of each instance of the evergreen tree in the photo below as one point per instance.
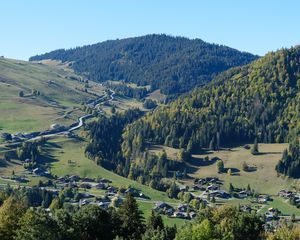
(132, 226)
(92, 222)
(10, 213)
(254, 149)
(34, 225)
(220, 166)
(155, 221)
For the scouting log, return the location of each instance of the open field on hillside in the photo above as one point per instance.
(263, 178)
(65, 156)
(122, 103)
(283, 206)
(61, 93)
(59, 151)
(157, 96)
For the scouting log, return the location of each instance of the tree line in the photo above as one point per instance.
(289, 164)
(21, 219)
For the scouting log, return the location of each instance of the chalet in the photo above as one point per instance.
(84, 202)
(182, 207)
(17, 137)
(286, 193)
(262, 199)
(182, 215)
(74, 178)
(192, 215)
(111, 189)
(39, 172)
(242, 194)
(104, 180)
(56, 127)
(163, 207)
(101, 186)
(200, 181)
(183, 188)
(169, 212)
(86, 179)
(104, 205)
(142, 195)
(116, 201)
(212, 187)
(269, 216)
(219, 194)
(87, 195)
(245, 208)
(61, 179)
(85, 185)
(6, 136)
(198, 187)
(131, 191)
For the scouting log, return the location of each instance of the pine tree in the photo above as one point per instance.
(132, 226)
(231, 188)
(220, 166)
(155, 221)
(254, 149)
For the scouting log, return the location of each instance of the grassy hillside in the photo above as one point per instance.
(263, 178)
(60, 95)
(172, 64)
(58, 151)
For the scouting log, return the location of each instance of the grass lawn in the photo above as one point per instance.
(283, 206)
(123, 103)
(58, 95)
(157, 96)
(59, 151)
(263, 180)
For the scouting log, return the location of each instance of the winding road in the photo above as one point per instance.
(79, 123)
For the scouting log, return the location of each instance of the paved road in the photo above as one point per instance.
(78, 125)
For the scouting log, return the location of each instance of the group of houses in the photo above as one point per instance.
(181, 211)
(18, 137)
(288, 194)
(210, 187)
(99, 184)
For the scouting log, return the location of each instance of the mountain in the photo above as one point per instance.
(172, 64)
(258, 101)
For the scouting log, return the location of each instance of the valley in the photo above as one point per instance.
(156, 136)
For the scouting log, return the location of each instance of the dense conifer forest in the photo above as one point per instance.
(257, 101)
(172, 64)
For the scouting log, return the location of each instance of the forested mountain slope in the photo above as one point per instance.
(260, 100)
(172, 64)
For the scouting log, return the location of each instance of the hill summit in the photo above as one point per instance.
(172, 64)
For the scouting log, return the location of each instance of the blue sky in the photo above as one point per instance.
(36, 26)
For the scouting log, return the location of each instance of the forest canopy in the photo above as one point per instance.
(172, 64)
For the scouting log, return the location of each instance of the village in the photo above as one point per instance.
(205, 192)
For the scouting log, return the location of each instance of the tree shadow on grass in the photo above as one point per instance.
(3, 163)
(265, 153)
(202, 162)
(47, 155)
(234, 171)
